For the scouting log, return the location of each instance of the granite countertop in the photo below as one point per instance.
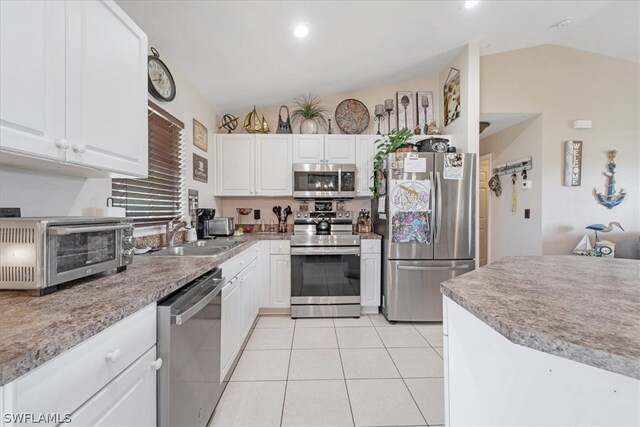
(581, 308)
(34, 330)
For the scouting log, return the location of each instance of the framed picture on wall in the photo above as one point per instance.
(200, 168)
(200, 136)
(424, 110)
(451, 96)
(404, 103)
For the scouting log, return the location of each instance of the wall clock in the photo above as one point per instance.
(161, 83)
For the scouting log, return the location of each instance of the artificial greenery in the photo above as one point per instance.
(386, 145)
(309, 107)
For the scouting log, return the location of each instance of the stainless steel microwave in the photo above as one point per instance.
(40, 253)
(324, 181)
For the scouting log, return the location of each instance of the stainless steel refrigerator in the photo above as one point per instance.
(426, 215)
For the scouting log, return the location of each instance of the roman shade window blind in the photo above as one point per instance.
(159, 198)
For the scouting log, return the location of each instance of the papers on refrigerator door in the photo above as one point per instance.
(414, 163)
(410, 207)
(453, 166)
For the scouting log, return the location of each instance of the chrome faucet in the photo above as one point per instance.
(173, 228)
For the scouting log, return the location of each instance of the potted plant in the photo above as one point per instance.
(390, 143)
(310, 112)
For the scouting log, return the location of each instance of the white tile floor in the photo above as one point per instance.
(336, 372)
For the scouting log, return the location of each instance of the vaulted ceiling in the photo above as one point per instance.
(241, 53)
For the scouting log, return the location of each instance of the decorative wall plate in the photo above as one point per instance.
(352, 116)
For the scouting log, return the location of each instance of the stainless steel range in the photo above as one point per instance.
(325, 265)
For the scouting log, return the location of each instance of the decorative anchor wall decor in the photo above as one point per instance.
(610, 199)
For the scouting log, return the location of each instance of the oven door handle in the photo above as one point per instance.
(65, 231)
(327, 250)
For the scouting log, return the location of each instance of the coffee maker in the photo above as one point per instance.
(203, 216)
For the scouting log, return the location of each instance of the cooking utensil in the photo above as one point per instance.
(275, 211)
(405, 103)
(323, 226)
(425, 105)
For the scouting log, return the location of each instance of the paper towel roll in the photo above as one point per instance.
(110, 212)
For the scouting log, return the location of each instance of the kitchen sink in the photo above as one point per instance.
(199, 248)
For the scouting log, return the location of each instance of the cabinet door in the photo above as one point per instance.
(308, 148)
(370, 279)
(32, 78)
(231, 320)
(130, 399)
(340, 148)
(106, 89)
(365, 153)
(280, 279)
(274, 154)
(234, 165)
(248, 282)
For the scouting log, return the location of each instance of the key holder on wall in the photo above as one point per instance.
(521, 165)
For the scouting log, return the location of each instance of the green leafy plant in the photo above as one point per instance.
(386, 145)
(309, 107)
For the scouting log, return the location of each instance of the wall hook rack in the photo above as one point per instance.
(512, 167)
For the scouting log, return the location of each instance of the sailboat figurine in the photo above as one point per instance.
(255, 123)
(610, 200)
(584, 247)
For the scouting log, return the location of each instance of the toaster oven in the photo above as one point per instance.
(40, 253)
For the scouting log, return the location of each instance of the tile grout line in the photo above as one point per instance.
(402, 378)
(344, 375)
(286, 384)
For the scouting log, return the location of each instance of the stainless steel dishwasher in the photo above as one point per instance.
(189, 326)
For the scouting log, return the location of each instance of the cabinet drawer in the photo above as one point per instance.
(68, 381)
(235, 265)
(130, 399)
(280, 246)
(370, 246)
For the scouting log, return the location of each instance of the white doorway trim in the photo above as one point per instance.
(487, 157)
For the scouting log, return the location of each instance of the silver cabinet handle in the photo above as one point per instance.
(437, 267)
(80, 148)
(64, 231)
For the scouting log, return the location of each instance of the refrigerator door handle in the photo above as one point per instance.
(416, 268)
(439, 206)
(432, 225)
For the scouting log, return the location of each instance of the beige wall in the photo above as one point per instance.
(511, 233)
(369, 97)
(265, 204)
(564, 85)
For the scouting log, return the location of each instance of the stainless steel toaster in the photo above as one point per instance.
(222, 226)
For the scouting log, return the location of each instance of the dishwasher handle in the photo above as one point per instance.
(215, 284)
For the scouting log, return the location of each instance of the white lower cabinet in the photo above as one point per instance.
(231, 324)
(130, 399)
(280, 281)
(370, 267)
(106, 379)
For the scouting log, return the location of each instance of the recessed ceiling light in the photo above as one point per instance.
(470, 3)
(301, 30)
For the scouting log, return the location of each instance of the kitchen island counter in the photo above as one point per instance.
(580, 308)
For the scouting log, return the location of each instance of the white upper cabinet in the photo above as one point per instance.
(365, 153)
(32, 78)
(235, 165)
(74, 87)
(273, 156)
(308, 148)
(107, 96)
(339, 148)
(324, 149)
(253, 165)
